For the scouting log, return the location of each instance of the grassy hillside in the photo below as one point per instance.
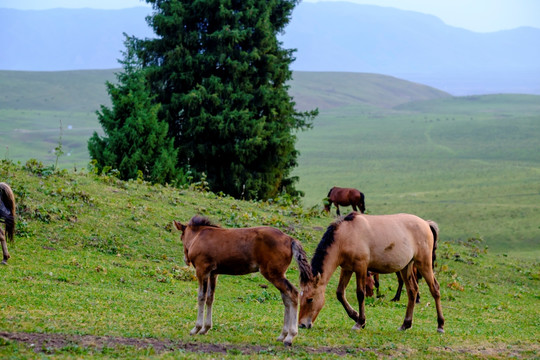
(329, 90)
(475, 171)
(97, 272)
(469, 163)
(70, 91)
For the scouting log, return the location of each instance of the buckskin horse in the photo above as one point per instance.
(214, 250)
(379, 243)
(7, 216)
(344, 197)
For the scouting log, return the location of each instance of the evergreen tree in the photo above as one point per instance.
(136, 140)
(220, 74)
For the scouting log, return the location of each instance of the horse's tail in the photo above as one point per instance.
(435, 231)
(7, 209)
(303, 264)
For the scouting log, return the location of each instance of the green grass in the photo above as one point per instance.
(470, 163)
(474, 170)
(97, 256)
(35, 134)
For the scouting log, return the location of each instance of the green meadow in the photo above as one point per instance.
(97, 272)
(95, 258)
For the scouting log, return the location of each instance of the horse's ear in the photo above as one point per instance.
(179, 226)
(317, 278)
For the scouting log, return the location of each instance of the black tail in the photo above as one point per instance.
(7, 209)
(435, 231)
(303, 264)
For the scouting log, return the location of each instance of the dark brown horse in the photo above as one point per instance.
(7, 216)
(214, 250)
(344, 197)
(383, 244)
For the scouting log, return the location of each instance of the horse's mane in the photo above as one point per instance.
(326, 242)
(198, 220)
(333, 187)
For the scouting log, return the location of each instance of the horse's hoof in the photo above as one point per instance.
(204, 331)
(440, 330)
(358, 327)
(4, 262)
(194, 331)
(287, 343)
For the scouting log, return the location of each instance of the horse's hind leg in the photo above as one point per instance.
(4, 247)
(399, 288)
(412, 290)
(377, 284)
(434, 288)
(212, 280)
(201, 301)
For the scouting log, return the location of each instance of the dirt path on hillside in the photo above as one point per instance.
(50, 342)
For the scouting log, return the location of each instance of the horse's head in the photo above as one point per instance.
(311, 301)
(327, 203)
(183, 228)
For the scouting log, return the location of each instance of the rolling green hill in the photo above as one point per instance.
(329, 90)
(470, 163)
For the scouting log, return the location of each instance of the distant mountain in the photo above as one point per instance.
(67, 39)
(328, 36)
(340, 36)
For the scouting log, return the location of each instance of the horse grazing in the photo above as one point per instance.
(377, 243)
(345, 197)
(7, 216)
(214, 250)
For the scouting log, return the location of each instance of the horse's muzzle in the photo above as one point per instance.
(306, 325)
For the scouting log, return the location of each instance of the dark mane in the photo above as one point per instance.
(330, 191)
(321, 251)
(326, 242)
(198, 220)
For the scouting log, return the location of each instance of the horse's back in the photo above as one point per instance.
(242, 250)
(345, 196)
(389, 241)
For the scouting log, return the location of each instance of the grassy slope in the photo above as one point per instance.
(470, 163)
(332, 90)
(472, 168)
(33, 106)
(94, 255)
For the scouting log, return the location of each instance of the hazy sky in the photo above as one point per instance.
(476, 15)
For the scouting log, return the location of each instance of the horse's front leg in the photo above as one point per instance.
(212, 280)
(344, 279)
(361, 294)
(412, 290)
(201, 300)
(337, 210)
(4, 247)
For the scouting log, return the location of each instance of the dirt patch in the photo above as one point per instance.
(50, 342)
